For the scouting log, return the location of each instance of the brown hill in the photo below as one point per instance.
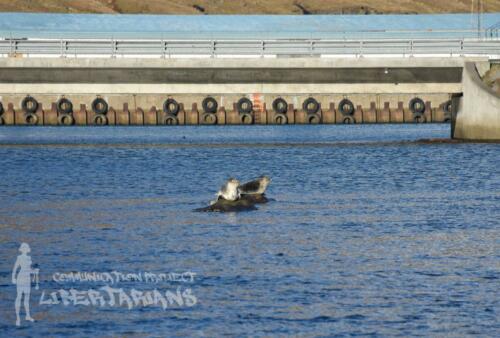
(247, 6)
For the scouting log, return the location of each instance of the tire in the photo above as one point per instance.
(1, 108)
(208, 118)
(346, 107)
(2, 121)
(170, 120)
(29, 105)
(280, 119)
(100, 120)
(64, 106)
(65, 120)
(419, 118)
(348, 119)
(100, 106)
(246, 118)
(280, 106)
(31, 119)
(311, 106)
(209, 105)
(447, 107)
(313, 119)
(417, 106)
(244, 106)
(171, 107)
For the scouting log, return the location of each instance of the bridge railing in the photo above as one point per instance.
(235, 47)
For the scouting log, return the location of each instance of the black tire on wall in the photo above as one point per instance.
(348, 119)
(170, 120)
(280, 106)
(417, 105)
(244, 106)
(64, 106)
(100, 120)
(1, 108)
(29, 104)
(246, 118)
(447, 107)
(313, 119)
(346, 107)
(170, 106)
(209, 105)
(419, 118)
(311, 105)
(280, 119)
(208, 118)
(99, 106)
(65, 120)
(31, 119)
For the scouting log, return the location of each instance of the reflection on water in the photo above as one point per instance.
(368, 235)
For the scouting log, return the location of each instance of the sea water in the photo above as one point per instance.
(368, 233)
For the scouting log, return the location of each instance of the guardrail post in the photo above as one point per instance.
(113, 48)
(13, 47)
(167, 50)
(462, 47)
(262, 45)
(63, 48)
(311, 47)
(212, 46)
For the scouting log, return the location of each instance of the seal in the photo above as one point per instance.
(235, 197)
(229, 190)
(228, 199)
(254, 191)
(255, 187)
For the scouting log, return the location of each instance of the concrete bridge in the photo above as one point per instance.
(47, 81)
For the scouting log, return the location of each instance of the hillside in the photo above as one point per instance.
(246, 6)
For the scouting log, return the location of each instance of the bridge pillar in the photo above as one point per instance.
(478, 112)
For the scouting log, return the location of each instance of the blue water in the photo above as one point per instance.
(370, 233)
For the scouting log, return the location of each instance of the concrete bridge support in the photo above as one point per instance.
(478, 111)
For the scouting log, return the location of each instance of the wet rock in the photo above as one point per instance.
(255, 198)
(223, 205)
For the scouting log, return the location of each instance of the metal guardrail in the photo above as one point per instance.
(215, 48)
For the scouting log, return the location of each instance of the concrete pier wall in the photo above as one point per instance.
(380, 89)
(478, 115)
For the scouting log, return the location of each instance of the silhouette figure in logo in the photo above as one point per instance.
(22, 279)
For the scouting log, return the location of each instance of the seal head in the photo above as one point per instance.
(229, 190)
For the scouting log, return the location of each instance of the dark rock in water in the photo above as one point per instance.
(255, 198)
(223, 205)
